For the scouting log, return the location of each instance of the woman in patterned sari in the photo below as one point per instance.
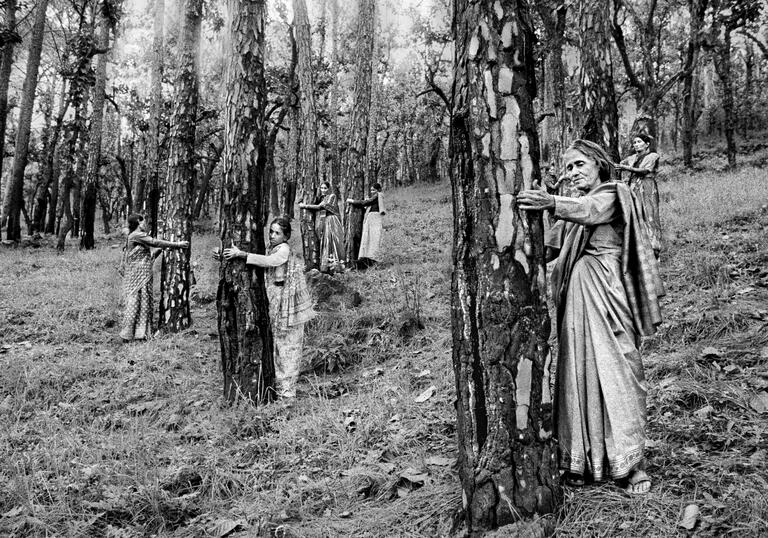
(290, 305)
(642, 167)
(328, 229)
(137, 279)
(605, 286)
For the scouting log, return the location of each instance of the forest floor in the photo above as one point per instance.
(103, 439)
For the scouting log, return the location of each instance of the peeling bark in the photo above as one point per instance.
(175, 314)
(241, 301)
(507, 455)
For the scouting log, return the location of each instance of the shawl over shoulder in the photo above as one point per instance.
(640, 270)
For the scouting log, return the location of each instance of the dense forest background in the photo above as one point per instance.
(90, 94)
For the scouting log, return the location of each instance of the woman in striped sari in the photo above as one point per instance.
(137, 279)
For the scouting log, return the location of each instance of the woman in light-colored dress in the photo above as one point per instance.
(370, 241)
(290, 305)
(605, 286)
(137, 278)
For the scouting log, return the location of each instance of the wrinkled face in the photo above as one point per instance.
(276, 235)
(323, 189)
(639, 144)
(581, 170)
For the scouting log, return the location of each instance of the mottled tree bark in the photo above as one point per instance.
(175, 314)
(90, 183)
(354, 176)
(308, 169)
(244, 328)
(507, 455)
(14, 195)
(600, 121)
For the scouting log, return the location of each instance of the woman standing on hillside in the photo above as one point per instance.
(605, 286)
(328, 230)
(137, 279)
(370, 242)
(642, 167)
(290, 305)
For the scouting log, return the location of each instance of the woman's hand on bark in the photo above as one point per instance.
(233, 252)
(535, 200)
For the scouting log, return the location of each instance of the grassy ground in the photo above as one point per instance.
(101, 439)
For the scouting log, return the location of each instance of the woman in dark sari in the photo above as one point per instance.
(605, 286)
(642, 167)
(328, 230)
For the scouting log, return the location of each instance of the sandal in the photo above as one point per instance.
(638, 483)
(574, 480)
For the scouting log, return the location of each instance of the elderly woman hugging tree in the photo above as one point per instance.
(606, 286)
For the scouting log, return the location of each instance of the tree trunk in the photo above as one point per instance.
(696, 8)
(54, 204)
(308, 169)
(14, 192)
(723, 68)
(6, 62)
(214, 156)
(155, 113)
(90, 185)
(555, 128)
(507, 455)
(39, 200)
(175, 314)
(600, 122)
(746, 101)
(293, 157)
(241, 301)
(354, 176)
(335, 90)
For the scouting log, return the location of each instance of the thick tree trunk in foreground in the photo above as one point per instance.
(241, 301)
(175, 314)
(14, 195)
(309, 168)
(6, 62)
(90, 185)
(600, 123)
(354, 177)
(507, 455)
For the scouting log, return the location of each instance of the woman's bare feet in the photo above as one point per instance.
(638, 483)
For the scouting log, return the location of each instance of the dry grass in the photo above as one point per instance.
(100, 439)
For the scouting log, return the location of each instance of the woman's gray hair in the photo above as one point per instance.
(597, 154)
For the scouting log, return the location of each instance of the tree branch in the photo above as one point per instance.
(440, 93)
(763, 48)
(621, 45)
